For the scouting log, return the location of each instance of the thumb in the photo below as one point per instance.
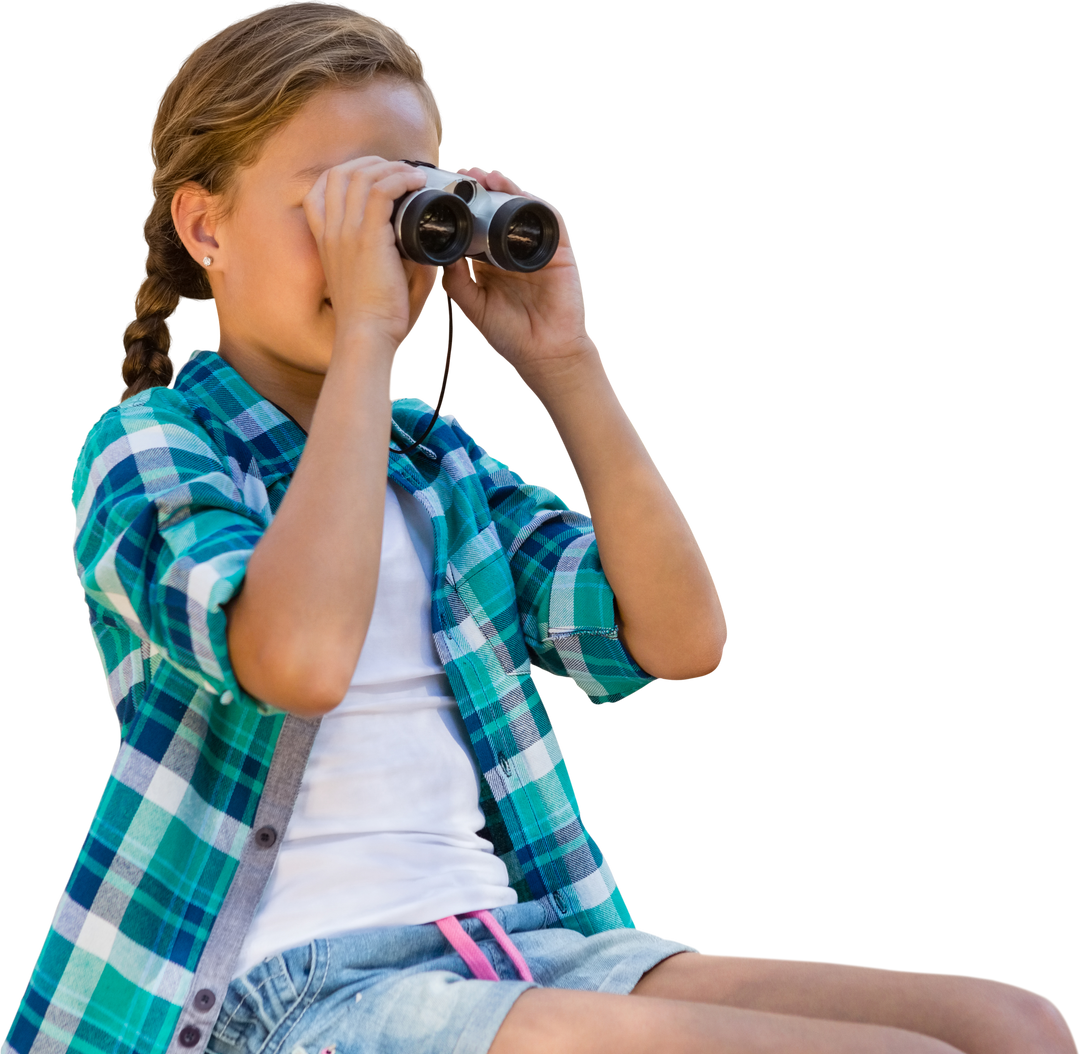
(463, 290)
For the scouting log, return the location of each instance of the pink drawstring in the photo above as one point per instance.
(470, 951)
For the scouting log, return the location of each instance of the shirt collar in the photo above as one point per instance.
(278, 440)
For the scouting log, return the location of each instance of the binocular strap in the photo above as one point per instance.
(444, 379)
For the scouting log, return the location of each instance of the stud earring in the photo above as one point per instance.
(207, 261)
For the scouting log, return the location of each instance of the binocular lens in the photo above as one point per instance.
(524, 236)
(437, 227)
(433, 227)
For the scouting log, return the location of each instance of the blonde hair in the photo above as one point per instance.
(230, 95)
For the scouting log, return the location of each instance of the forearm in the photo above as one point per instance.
(297, 628)
(670, 615)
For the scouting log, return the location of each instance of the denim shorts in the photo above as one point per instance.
(404, 990)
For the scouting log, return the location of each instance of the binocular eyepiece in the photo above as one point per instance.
(454, 216)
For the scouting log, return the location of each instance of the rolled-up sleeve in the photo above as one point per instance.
(565, 604)
(166, 520)
(577, 633)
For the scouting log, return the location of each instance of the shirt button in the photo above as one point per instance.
(560, 902)
(204, 999)
(189, 1036)
(265, 837)
(227, 697)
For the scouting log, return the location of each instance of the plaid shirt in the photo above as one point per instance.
(173, 490)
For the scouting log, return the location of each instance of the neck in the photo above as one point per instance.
(293, 390)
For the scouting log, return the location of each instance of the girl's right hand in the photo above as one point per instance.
(348, 210)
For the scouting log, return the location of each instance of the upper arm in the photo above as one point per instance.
(165, 523)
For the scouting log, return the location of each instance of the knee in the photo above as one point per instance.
(1034, 1023)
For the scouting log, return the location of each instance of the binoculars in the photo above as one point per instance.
(454, 216)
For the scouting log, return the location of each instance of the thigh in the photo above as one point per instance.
(347, 996)
(975, 1016)
(547, 1020)
(405, 990)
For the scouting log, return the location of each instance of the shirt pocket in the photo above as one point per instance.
(483, 601)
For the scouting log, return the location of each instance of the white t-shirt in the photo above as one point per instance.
(384, 832)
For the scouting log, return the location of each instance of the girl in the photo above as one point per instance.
(339, 819)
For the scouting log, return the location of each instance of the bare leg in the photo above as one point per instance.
(558, 1021)
(975, 1016)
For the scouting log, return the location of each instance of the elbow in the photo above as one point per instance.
(684, 673)
(303, 692)
(309, 685)
(713, 664)
(713, 643)
(701, 649)
(311, 699)
(698, 661)
(302, 669)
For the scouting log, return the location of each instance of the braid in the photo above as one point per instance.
(170, 274)
(146, 340)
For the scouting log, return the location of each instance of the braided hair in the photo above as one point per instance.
(229, 97)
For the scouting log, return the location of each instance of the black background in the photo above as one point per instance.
(874, 773)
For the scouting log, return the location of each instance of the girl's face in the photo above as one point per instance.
(267, 277)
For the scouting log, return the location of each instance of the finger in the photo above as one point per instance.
(456, 280)
(368, 161)
(479, 174)
(508, 185)
(348, 186)
(457, 283)
(361, 178)
(315, 207)
(339, 180)
(493, 180)
(371, 200)
(318, 189)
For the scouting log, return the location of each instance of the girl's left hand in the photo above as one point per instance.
(535, 320)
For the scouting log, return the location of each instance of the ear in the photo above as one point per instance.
(195, 219)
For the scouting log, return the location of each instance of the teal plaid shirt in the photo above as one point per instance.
(173, 490)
